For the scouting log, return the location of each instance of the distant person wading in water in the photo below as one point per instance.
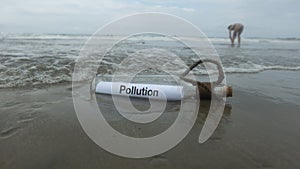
(237, 29)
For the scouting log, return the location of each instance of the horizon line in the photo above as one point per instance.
(90, 34)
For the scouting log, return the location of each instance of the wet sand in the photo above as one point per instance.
(259, 129)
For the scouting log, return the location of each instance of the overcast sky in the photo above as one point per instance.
(262, 18)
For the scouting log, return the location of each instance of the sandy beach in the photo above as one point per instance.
(259, 129)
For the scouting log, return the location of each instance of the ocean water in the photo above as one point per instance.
(42, 59)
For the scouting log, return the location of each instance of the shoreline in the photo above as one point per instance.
(256, 82)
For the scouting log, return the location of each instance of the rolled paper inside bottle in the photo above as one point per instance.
(154, 91)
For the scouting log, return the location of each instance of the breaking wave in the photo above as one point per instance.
(31, 59)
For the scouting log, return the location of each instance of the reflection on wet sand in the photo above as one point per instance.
(141, 130)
